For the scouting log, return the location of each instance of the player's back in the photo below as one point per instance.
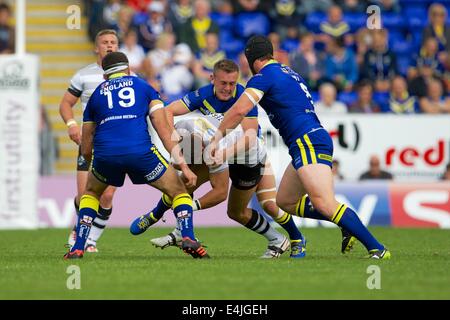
(119, 108)
(287, 100)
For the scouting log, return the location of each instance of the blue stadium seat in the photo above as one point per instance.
(313, 21)
(393, 21)
(403, 63)
(250, 23)
(230, 44)
(401, 47)
(395, 36)
(224, 21)
(355, 20)
(347, 97)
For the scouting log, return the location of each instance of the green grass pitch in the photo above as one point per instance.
(128, 267)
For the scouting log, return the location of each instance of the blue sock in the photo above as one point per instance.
(182, 208)
(163, 205)
(304, 209)
(348, 219)
(88, 211)
(288, 224)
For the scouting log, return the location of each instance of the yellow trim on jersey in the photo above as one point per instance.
(312, 152)
(184, 104)
(160, 157)
(88, 122)
(88, 201)
(302, 151)
(325, 157)
(271, 61)
(209, 107)
(182, 198)
(166, 200)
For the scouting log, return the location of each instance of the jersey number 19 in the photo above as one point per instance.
(126, 96)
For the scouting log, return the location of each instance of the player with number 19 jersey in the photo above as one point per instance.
(119, 108)
(292, 114)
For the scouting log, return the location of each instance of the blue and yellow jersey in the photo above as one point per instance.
(119, 108)
(205, 100)
(286, 99)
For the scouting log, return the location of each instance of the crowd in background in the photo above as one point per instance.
(403, 67)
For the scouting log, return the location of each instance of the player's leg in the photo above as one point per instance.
(100, 221)
(317, 180)
(170, 184)
(266, 193)
(89, 204)
(244, 182)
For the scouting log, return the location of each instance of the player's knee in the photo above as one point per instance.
(283, 204)
(107, 198)
(322, 205)
(271, 208)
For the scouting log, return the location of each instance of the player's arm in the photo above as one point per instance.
(218, 193)
(87, 140)
(66, 112)
(158, 117)
(176, 108)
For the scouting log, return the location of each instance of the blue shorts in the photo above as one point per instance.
(142, 168)
(313, 147)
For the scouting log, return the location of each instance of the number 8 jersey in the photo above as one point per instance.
(119, 108)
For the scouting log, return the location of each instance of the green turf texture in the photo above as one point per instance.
(128, 267)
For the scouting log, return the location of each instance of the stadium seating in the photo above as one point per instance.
(347, 97)
(250, 23)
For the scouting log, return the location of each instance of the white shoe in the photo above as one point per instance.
(171, 239)
(90, 247)
(276, 248)
(72, 238)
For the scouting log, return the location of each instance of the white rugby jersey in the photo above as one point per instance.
(85, 81)
(206, 126)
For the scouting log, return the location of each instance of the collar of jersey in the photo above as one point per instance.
(233, 95)
(117, 75)
(271, 61)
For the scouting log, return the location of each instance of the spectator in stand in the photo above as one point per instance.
(111, 13)
(307, 7)
(337, 176)
(438, 28)
(278, 54)
(134, 52)
(251, 6)
(176, 78)
(305, 61)
(375, 172)
(7, 37)
(418, 85)
(194, 31)
(364, 103)
(284, 14)
(380, 63)
(155, 25)
(352, 6)
(400, 102)
(435, 101)
(139, 5)
(159, 57)
(334, 27)
(124, 22)
(428, 55)
(363, 41)
(340, 65)
(388, 6)
(327, 102)
(446, 175)
(180, 11)
(206, 59)
(244, 70)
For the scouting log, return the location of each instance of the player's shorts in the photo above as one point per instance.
(82, 164)
(313, 147)
(142, 168)
(244, 177)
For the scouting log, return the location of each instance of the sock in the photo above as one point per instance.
(98, 225)
(182, 208)
(163, 205)
(304, 209)
(348, 219)
(285, 220)
(88, 211)
(260, 225)
(77, 212)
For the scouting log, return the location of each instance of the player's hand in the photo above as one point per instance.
(189, 177)
(74, 133)
(212, 154)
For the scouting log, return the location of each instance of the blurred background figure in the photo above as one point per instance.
(364, 102)
(154, 26)
(6, 30)
(435, 101)
(438, 27)
(337, 176)
(375, 172)
(400, 101)
(133, 51)
(340, 65)
(327, 102)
